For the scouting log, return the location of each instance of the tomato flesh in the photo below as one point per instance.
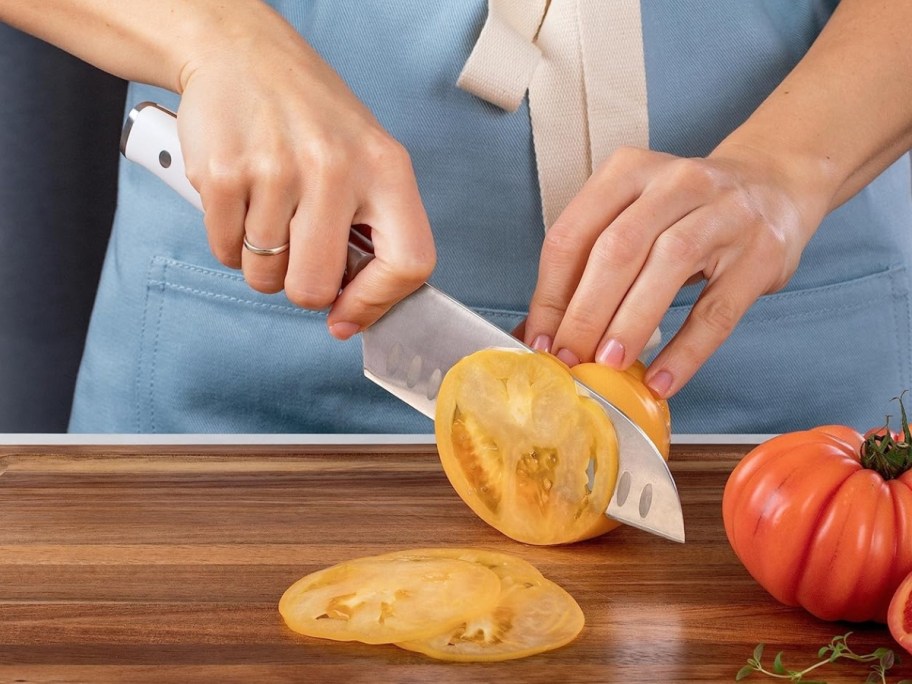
(388, 598)
(531, 617)
(528, 454)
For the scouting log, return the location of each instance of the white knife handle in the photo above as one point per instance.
(150, 139)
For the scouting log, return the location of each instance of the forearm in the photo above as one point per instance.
(152, 42)
(845, 112)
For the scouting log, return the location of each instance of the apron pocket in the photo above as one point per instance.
(831, 354)
(216, 356)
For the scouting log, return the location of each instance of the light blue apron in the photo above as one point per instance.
(179, 343)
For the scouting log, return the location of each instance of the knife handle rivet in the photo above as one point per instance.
(645, 500)
(623, 488)
(164, 158)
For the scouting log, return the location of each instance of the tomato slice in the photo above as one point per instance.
(385, 599)
(501, 564)
(531, 617)
(527, 453)
(899, 614)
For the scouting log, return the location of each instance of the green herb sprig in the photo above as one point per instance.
(882, 659)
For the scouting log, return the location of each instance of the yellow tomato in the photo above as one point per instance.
(530, 455)
(532, 616)
(626, 390)
(386, 599)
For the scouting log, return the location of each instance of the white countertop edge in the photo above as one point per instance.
(57, 439)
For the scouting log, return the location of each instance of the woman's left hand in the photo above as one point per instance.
(647, 223)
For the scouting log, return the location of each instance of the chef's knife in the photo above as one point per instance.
(410, 349)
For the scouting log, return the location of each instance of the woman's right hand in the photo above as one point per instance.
(282, 151)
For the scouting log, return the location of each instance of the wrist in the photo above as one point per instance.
(220, 28)
(809, 180)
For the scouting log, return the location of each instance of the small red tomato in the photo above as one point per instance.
(823, 519)
(899, 615)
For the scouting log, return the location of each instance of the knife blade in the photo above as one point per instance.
(410, 349)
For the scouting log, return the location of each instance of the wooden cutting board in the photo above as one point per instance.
(167, 563)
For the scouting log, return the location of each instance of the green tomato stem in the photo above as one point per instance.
(884, 454)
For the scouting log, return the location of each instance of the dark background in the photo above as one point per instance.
(60, 123)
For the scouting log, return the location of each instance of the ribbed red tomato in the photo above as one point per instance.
(823, 519)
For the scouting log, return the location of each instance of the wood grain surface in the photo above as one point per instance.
(158, 564)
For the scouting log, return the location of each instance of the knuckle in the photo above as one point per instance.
(563, 243)
(217, 177)
(694, 175)
(325, 158)
(674, 248)
(381, 151)
(273, 170)
(407, 272)
(623, 156)
(416, 270)
(310, 296)
(617, 247)
(582, 324)
(549, 303)
(264, 283)
(718, 314)
(229, 255)
(621, 159)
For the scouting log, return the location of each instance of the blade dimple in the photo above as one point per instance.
(645, 500)
(433, 385)
(413, 373)
(394, 359)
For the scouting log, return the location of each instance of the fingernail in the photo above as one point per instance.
(660, 383)
(542, 343)
(611, 354)
(343, 330)
(568, 357)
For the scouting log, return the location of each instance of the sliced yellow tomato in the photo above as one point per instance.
(528, 454)
(530, 618)
(533, 615)
(626, 390)
(385, 599)
(501, 564)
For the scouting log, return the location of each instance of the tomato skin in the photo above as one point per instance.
(627, 391)
(899, 615)
(818, 530)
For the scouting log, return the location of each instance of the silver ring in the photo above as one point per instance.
(264, 251)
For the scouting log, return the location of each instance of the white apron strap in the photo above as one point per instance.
(582, 63)
(505, 55)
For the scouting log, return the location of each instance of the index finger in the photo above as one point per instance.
(404, 257)
(568, 243)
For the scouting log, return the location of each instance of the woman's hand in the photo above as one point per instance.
(273, 140)
(644, 225)
(281, 151)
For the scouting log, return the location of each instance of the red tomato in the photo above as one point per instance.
(817, 524)
(899, 615)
